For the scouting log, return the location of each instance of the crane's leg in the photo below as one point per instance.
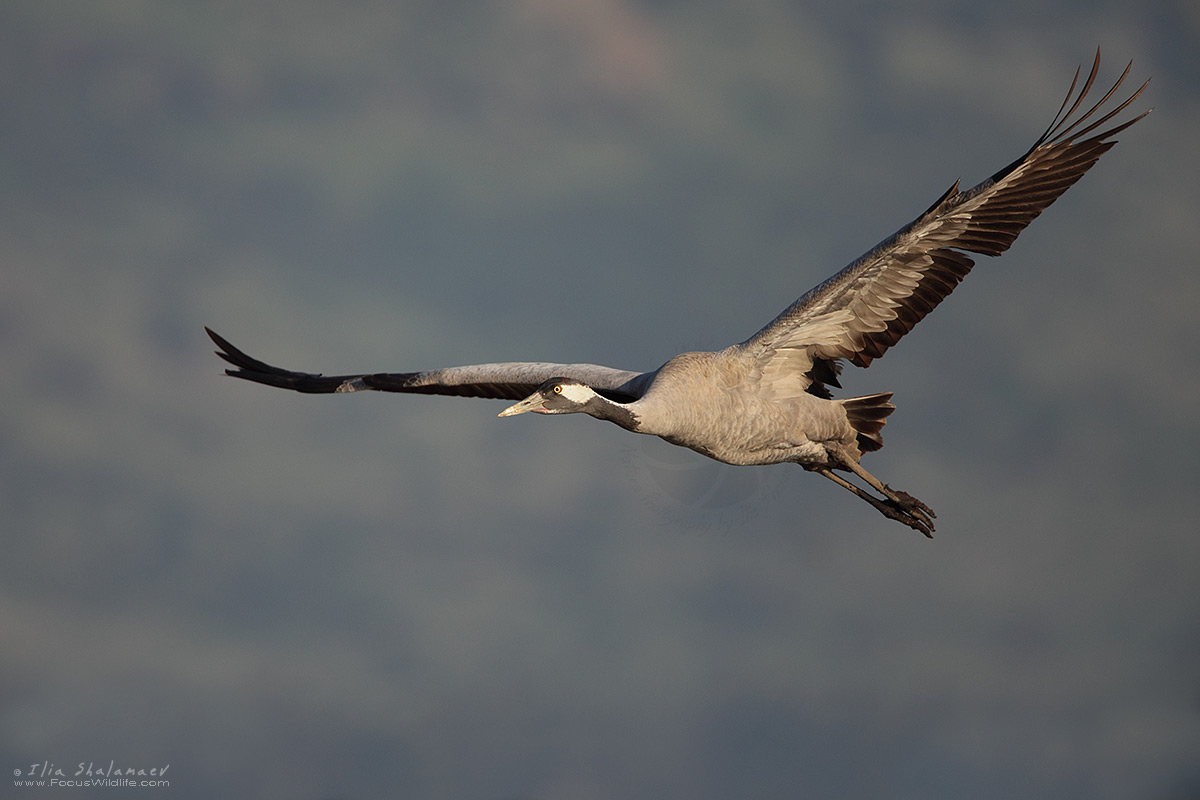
(900, 506)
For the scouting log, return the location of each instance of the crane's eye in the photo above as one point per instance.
(558, 388)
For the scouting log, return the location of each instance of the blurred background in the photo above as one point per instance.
(287, 596)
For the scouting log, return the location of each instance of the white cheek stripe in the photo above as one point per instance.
(576, 394)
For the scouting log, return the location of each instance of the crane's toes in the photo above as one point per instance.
(912, 504)
(916, 519)
(909, 510)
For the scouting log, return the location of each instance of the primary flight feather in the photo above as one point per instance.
(767, 400)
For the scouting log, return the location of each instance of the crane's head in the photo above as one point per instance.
(556, 396)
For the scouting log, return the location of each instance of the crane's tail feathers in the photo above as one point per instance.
(868, 415)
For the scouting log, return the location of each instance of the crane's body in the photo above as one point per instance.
(767, 400)
(718, 408)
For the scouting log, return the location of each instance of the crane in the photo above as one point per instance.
(767, 400)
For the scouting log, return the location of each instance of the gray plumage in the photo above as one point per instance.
(767, 400)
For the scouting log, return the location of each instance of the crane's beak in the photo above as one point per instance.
(531, 403)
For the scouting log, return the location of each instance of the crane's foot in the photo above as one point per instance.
(903, 507)
(897, 505)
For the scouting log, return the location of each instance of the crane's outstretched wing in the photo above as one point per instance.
(863, 310)
(510, 381)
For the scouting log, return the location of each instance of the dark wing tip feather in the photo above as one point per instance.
(251, 369)
(1069, 134)
(988, 218)
(1019, 193)
(1062, 131)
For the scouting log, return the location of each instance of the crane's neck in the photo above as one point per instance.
(621, 414)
